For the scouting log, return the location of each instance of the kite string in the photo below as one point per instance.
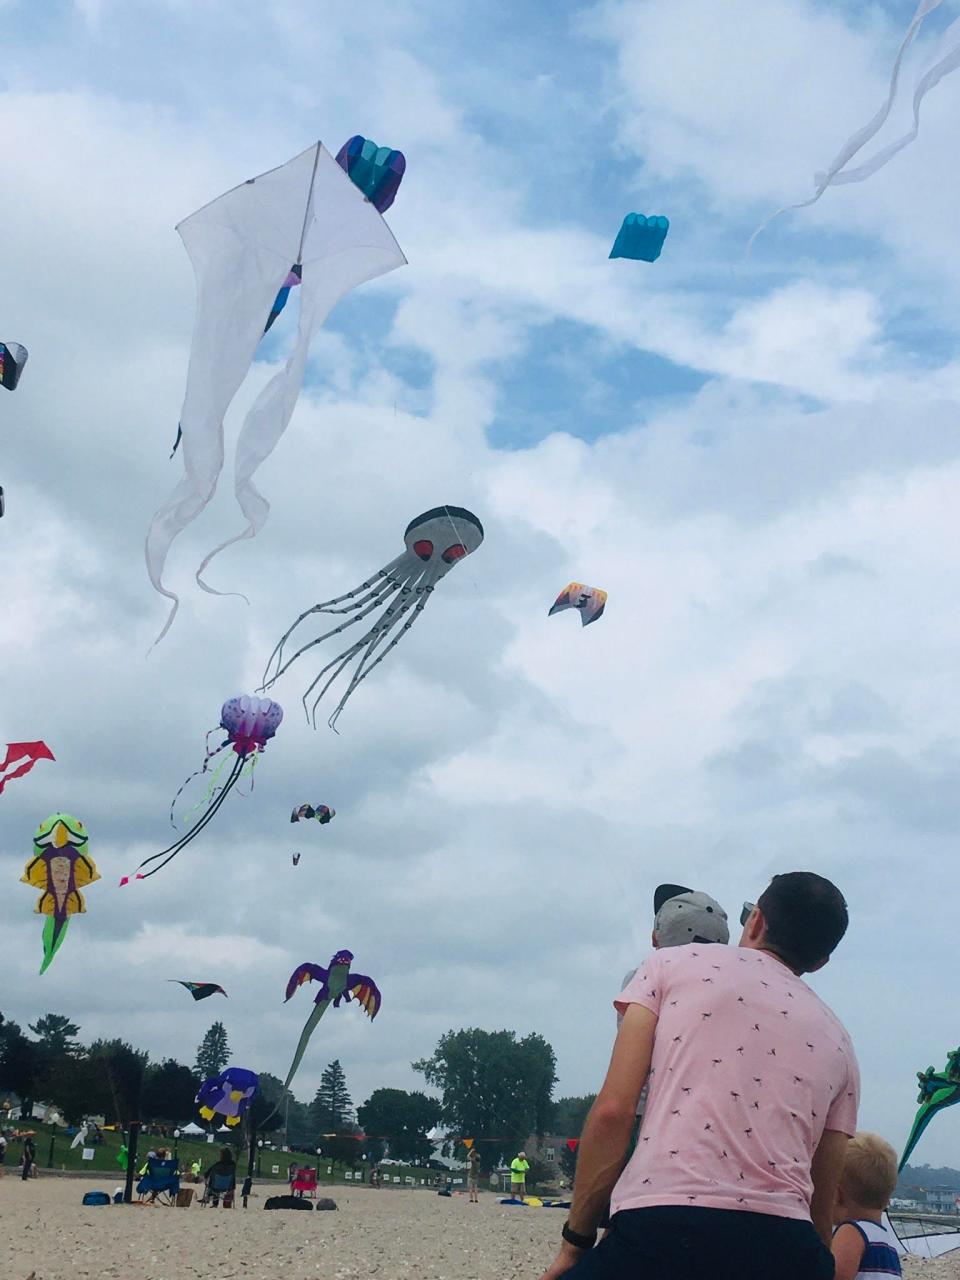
(459, 537)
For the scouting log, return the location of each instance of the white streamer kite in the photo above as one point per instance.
(947, 60)
(305, 213)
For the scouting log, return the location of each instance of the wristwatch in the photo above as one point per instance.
(576, 1239)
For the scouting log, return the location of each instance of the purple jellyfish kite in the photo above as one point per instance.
(249, 723)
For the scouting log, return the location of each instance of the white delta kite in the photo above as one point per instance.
(307, 214)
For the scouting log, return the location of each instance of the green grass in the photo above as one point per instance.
(188, 1150)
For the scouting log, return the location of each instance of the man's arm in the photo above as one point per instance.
(606, 1133)
(825, 1170)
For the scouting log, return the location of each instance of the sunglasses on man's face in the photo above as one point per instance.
(748, 909)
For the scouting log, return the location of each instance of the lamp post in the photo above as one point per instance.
(176, 1144)
(319, 1158)
(259, 1154)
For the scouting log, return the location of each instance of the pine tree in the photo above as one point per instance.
(213, 1053)
(332, 1107)
(57, 1034)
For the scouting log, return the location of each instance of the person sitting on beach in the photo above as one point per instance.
(753, 1098)
(221, 1179)
(161, 1153)
(862, 1245)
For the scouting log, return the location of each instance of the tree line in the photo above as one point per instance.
(492, 1086)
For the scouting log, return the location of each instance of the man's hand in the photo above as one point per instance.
(568, 1257)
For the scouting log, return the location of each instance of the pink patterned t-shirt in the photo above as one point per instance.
(749, 1067)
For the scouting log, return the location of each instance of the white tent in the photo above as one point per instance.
(190, 1129)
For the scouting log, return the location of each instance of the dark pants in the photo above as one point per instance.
(27, 1165)
(673, 1242)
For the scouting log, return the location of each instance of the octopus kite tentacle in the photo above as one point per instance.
(386, 583)
(361, 674)
(395, 585)
(367, 643)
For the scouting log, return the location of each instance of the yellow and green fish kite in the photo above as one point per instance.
(59, 867)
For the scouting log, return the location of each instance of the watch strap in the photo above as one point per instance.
(576, 1239)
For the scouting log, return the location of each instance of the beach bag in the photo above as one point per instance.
(288, 1202)
(96, 1197)
(326, 1203)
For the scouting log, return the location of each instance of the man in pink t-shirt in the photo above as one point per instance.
(754, 1089)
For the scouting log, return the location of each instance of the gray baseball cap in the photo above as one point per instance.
(688, 916)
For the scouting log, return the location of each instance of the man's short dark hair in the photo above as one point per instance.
(806, 917)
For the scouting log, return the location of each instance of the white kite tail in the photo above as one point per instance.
(947, 60)
(837, 173)
(225, 339)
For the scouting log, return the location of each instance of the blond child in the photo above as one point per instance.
(862, 1245)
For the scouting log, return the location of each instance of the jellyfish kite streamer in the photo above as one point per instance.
(249, 723)
(337, 983)
(435, 542)
(839, 173)
(590, 601)
(59, 867)
(229, 1095)
(307, 215)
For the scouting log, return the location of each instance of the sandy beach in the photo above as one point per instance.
(46, 1231)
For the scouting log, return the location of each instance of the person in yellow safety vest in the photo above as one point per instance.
(518, 1175)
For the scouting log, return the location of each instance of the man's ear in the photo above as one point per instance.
(756, 925)
(653, 939)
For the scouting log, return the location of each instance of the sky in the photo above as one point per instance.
(757, 457)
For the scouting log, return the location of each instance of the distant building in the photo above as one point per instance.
(940, 1200)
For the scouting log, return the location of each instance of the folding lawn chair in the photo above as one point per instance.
(305, 1183)
(220, 1184)
(162, 1179)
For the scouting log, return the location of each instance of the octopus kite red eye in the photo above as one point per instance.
(399, 591)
